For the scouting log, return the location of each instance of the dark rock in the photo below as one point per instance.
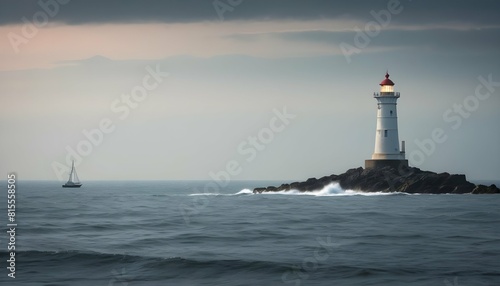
(284, 187)
(271, 189)
(464, 189)
(388, 179)
(294, 186)
(259, 190)
(482, 189)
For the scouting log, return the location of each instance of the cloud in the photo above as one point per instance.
(440, 39)
(156, 41)
(175, 11)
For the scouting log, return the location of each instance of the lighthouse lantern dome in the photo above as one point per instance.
(387, 85)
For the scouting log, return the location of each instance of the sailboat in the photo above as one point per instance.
(73, 181)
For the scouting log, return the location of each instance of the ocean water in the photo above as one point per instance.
(176, 233)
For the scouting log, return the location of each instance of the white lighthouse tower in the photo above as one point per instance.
(387, 152)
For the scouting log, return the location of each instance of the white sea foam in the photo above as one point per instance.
(330, 190)
(245, 192)
(242, 192)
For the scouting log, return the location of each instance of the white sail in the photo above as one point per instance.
(73, 177)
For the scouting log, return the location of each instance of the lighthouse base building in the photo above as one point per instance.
(396, 164)
(387, 151)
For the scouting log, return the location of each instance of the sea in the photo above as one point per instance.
(127, 233)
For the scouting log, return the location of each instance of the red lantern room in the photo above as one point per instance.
(386, 85)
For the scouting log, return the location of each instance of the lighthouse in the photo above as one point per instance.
(387, 151)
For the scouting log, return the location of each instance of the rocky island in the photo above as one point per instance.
(388, 170)
(389, 179)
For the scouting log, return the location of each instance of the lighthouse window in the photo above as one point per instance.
(385, 133)
(391, 112)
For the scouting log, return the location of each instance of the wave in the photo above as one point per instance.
(242, 192)
(330, 190)
(245, 192)
(152, 264)
(94, 268)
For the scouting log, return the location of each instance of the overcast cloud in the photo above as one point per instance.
(482, 12)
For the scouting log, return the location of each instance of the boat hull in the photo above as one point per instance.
(71, 186)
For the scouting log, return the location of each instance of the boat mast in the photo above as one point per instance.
(75, 175)
(70, 179)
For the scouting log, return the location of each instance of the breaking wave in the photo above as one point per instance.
(242, 192)
(330, 190)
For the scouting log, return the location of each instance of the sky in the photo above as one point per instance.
(244, 89)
